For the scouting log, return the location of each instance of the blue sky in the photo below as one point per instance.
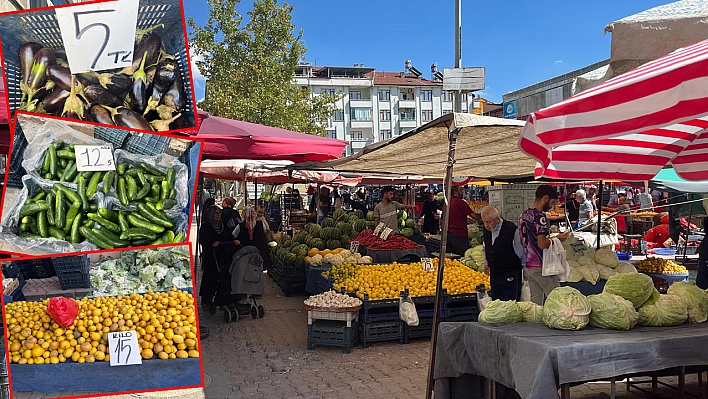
(519, 42)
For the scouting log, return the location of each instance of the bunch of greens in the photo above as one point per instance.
(142, 270)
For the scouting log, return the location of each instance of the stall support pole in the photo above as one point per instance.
(599, 215)
(441, 264)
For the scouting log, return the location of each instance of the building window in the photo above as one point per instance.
(332, 133)
(357, 135)
(426, 95)
(476, 104)
(355, 95)
(407, 94)
(464, 97)
(338, 115)
(407, 114)
(361, 114)
(384, 95)
(447, 96)
(385, 115)
(427, 115)
(385, 134)
(329, 92)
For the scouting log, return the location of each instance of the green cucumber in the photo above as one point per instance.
(32, 209)
(74, 210)
(59, 215)
(108, 181)
(137, 221)
(68, 193)
(52, 160)
(138, 233)
(66, 154)
(169, 237)
(107, 224)
(123, 192)
(108, 215)
(57, 233)
(123, 221)
(75, 229)
(42, 224)
(144, 191)
(152, 170)
(165, 204)
(45, 163)
(170, 177)
(180, 237)
(93, 185)
(51, 201)
(81, 188)
(122, 168)
(164, 190)
(113, 239)
(94, 238)
(132, 188)
(155, 191)
(39, 197)
(143, 180)
(148, 214)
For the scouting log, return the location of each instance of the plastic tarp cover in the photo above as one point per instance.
(534, 359)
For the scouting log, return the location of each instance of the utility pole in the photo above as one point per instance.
(458, 50)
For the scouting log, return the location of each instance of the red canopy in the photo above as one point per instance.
(232, 139)
(631, 126)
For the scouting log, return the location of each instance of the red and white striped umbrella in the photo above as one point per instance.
(629, 127)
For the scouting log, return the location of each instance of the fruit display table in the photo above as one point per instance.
(536, 360)
(392, 256)
(101, 377)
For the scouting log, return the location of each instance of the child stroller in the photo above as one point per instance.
(245, 276)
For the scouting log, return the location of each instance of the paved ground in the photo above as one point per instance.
(267, 358)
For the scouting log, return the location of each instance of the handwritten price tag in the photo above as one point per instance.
(124, 348)
(578, 246)
(379, 229)
(93, 158)
(100, 36)
(427, 264)
(386, 232)
(354, 246)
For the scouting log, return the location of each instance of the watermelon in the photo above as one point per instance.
(360, 226)
(339, 215)
(328, 222)
(410, 223)
(345, 243)
(302, 250)
(401, 223)
(308, 227)
(316, 230)
(402, 215)
(416, 231)
(352, 218)
(370, 225)
(319, 244)
(285, 240)
(346, 228)
(334, 244)
(359, 214)
(300, 261)
(370, 216)
(407, 232)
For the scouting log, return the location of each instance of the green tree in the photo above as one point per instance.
(250, 69)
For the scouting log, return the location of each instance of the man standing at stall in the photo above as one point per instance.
(534, 232)
(460, 212)
(503, 256)
(702, 277)
(386, 211)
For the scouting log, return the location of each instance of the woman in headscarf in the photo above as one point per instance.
(218, 248)
(252, 232)
(430, 213)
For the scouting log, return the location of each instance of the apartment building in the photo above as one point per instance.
(378, 105)
(14, 5)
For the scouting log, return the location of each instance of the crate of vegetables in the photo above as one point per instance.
(157, 83)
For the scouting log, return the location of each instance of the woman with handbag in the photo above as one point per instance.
(252, 232)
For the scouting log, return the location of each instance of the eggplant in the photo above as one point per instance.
(99, 95)
(26, 57)
(138, 93)
(162, 125)
(63, 78)
(167, 71)
(88, 77)
(181, 123)
(55, 101)
(148, 49)
(61, 53)
(87, 113)
(176, 97)
(128, 118)
(101, 115)
(119, 84)
(73, 106)
(43, 59)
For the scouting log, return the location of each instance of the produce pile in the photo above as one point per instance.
(591, 266)
(332, 300)
(626, 301)
(335, 257)
(148, 95)
(659, 266)
(474, 258)
(165, 324)
(143, 270)
(387, 281)
(475, 233)
(394, 242)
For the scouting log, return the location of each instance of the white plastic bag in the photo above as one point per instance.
(482, 299)
(407, 312)
(525, 292)
(554, 260)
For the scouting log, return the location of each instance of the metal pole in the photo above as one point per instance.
(599, 215)
(458, 49)
(441, 264)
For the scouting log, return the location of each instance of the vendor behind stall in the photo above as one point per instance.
(386, 211)
(460, 213)
(585, 209)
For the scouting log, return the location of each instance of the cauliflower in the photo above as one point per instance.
(316, 260)
(366, 259)
(345, 253)
(328, 258)
(337, 260)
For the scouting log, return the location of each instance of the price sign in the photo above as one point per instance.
(100, 36)
(386, 232)
(124, 348)
(354, 246)
(427, 264)
(93, 158)
(379, 229)
(578, 246)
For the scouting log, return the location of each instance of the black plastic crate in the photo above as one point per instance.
(289, 286)
(35, 268)
(41, 26)
(71, 280)
(294, 272)
(15, 171)
(117, 137)
(332, 333)
(424, 329)
(147, 144)
(71, 264)
(381, 331)
(11, 270)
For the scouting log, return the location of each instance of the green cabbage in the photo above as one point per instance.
(607, 258)
(566, 309)
(605, 272)
(612, 312)
(634, 287)
(589, 272)
(501, 312)
(575, 275)
(668, 310)
(695, 298)
(532, 313)
(625, 267)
